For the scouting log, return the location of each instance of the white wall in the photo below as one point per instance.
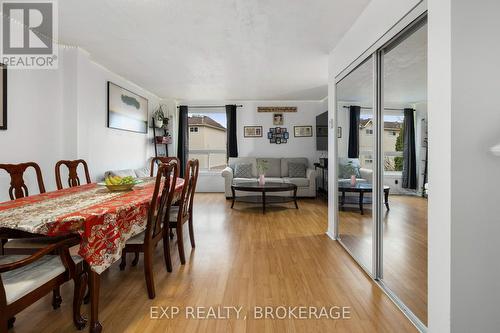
(61, 114)
(475, 209)
(104, 148)
(295, 147)
(34, 128)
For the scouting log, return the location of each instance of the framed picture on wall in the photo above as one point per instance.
(302, 131)
(278, 119)
(252, 131)
(3, 101)
(127, 111)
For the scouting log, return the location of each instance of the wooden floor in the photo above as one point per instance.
(405, 247)
(244, 259)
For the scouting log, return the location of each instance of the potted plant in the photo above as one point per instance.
(262, 167)
(159, 117)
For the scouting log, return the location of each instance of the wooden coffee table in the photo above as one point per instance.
(360, 188)
(262, 190)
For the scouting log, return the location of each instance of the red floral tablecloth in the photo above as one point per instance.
(104, 220)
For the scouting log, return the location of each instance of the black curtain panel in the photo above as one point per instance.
(183, 138)
(354, 114)
(409, 154)
(232, 139)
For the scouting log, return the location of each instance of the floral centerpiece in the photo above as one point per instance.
(262, 167)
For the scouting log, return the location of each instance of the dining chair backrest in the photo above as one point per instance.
(190, 180)
(18, 188)
(73, 179)
(166, 160)
(159, 208)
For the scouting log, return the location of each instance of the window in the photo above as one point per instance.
(209, 143)
(393, 141)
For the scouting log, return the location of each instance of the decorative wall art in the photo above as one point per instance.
(278, 119)
(3, 98)
(302, 131)
(252, 131)
(274, 109)
(126, 110)
(278, 135)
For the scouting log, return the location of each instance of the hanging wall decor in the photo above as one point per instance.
(274, 109)
(278, 119)
(278, 135)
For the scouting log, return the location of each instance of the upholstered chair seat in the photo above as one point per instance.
(20, 282)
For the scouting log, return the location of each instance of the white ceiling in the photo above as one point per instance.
(213, 49)
(405, 75)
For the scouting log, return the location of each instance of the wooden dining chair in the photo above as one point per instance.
(26, 244)
(183, 212)
(26, 279)
(158, 160)
(156, 229)
(73, 179)
(18, 189)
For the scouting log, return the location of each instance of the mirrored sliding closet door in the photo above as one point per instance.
(382, 164)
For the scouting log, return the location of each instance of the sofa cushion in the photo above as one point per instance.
(142, 172)
(244, 180)
(274, 180)
(300, 182)
(243, 170)
(285, 161)
(296, 170)
(252, 160)
(273, 166)
(349, 167)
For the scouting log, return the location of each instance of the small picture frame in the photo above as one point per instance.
(277, 130)
(278, 119)
(270, 135)
(252, 131)
(278, 141)
(302, 131)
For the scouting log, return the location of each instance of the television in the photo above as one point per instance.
(322, 131)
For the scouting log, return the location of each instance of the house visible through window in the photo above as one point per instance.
(207, 140)
(392, 141)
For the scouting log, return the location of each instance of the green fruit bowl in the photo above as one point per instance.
(120, 187)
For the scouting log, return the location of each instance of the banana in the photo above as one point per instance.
(116, 180)
(108, 181)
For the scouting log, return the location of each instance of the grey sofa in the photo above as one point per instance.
(351, 166)
(277, 172)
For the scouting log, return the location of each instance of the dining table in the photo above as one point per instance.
(103, 219)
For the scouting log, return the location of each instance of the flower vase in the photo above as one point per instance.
(353, 180)
(262, 180)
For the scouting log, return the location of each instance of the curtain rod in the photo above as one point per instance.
(367, 107)
(209, 106)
